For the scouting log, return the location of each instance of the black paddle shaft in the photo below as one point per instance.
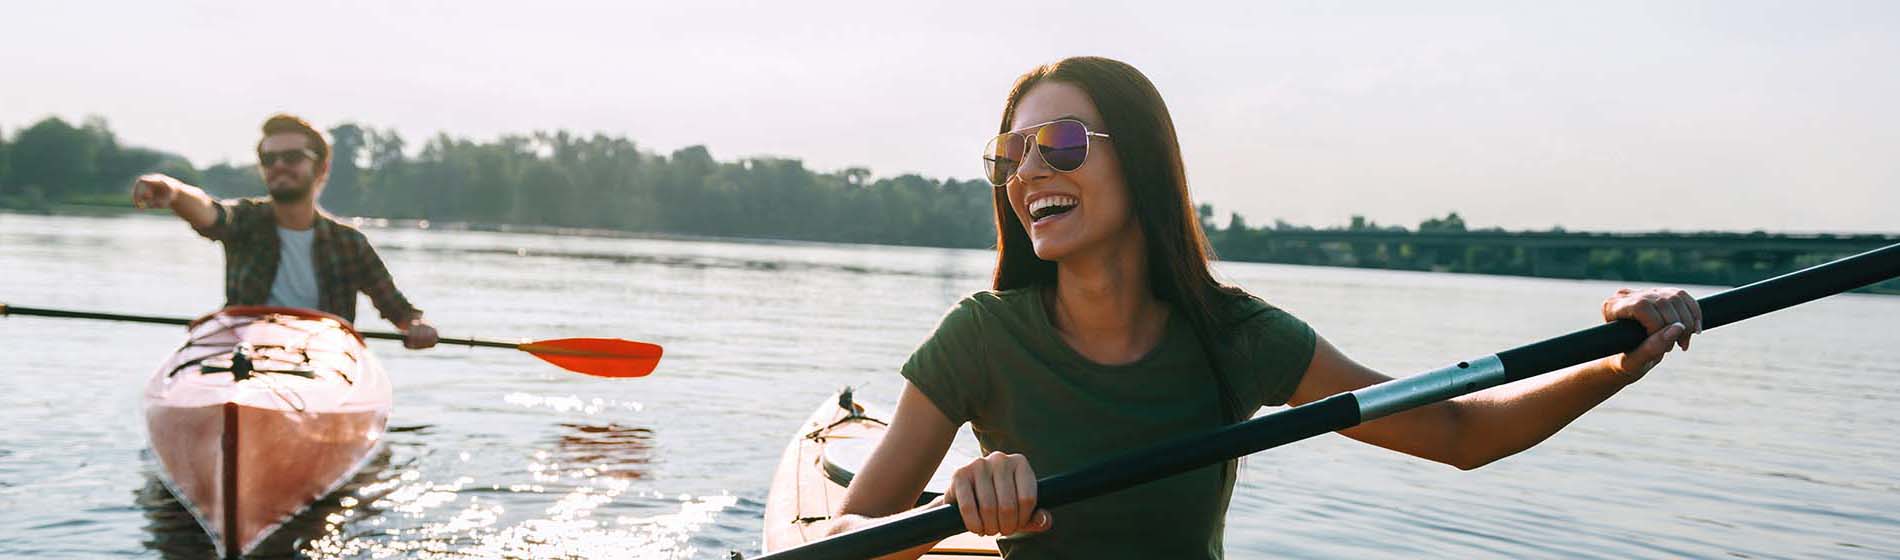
(1343, 410)
(71, 314)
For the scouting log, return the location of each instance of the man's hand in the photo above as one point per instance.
(155, 190)
(419, 335)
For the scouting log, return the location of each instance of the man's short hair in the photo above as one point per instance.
(282, 123)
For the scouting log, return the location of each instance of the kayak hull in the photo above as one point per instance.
(247, 450)
(806, 487)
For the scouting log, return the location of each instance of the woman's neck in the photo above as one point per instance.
(1104, 306)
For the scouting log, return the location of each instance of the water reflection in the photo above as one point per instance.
(175, 534)
(611, 451)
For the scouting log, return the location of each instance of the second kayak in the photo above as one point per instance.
(820, 461)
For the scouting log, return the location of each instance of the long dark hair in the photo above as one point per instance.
(1145, 143)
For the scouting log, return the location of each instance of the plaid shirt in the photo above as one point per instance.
(345, 263)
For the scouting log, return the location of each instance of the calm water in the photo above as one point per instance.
(1775, 437)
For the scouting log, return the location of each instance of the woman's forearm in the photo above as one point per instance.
(1499, 422)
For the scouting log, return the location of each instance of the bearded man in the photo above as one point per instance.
(283, 250)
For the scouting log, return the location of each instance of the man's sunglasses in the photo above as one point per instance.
(289, 157)
(1063, 144)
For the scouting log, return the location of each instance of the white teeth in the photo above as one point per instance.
(1052, 200)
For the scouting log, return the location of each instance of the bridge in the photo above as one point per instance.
(1704, 258)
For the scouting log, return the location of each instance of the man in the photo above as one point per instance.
(282, 250)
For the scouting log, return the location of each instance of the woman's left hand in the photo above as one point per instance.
(1670, 316)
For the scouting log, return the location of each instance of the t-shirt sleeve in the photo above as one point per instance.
(948, 367)
(1269, 353)
(233, 214)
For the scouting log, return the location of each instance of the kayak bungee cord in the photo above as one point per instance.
(1346, 410)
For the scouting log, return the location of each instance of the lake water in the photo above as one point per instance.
(1779, 436)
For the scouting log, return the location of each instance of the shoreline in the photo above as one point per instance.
(1332, 239)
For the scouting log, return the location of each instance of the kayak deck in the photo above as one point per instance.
(821, 458)
(261, 413)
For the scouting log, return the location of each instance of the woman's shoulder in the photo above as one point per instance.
(954, 364)
(1004, 298)
(1237, 308)
(1011, 305)
(992, 313)
(1248, 321)
(1267, 343)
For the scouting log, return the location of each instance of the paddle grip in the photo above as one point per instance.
(1729, 306)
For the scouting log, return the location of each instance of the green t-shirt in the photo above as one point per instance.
(997, 362)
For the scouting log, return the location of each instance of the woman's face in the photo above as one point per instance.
(1079, 210)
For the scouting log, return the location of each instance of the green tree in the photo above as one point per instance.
(115, 166)
(1450, 223)
(5, 162)
(179, 168)
(388, 176)
(53, 156)
(343, 192)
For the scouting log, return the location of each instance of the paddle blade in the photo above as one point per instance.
(599, 357)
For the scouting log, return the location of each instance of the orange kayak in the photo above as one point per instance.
(822, 458)
(262, 412)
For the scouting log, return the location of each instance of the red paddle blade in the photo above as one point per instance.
(599, 357)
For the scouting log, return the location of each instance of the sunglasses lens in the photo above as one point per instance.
(1001, 157)
(1064, 145)
(292, 157)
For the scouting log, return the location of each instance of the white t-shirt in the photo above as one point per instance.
(296, 282)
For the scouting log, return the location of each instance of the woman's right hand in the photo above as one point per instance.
(996, 495)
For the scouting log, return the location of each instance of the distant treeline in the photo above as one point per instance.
(55, 162)
(552, 179)
(606, 182)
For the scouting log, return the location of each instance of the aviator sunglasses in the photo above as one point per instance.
(290, 157)
(1063, 144)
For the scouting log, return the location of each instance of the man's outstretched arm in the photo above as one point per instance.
(155, 190)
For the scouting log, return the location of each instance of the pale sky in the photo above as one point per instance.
(1595, 116)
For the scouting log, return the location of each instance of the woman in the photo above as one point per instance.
(1106, 331)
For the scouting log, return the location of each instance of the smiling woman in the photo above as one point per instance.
(1103, 311)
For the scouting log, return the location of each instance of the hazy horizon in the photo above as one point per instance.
(1706, 116)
